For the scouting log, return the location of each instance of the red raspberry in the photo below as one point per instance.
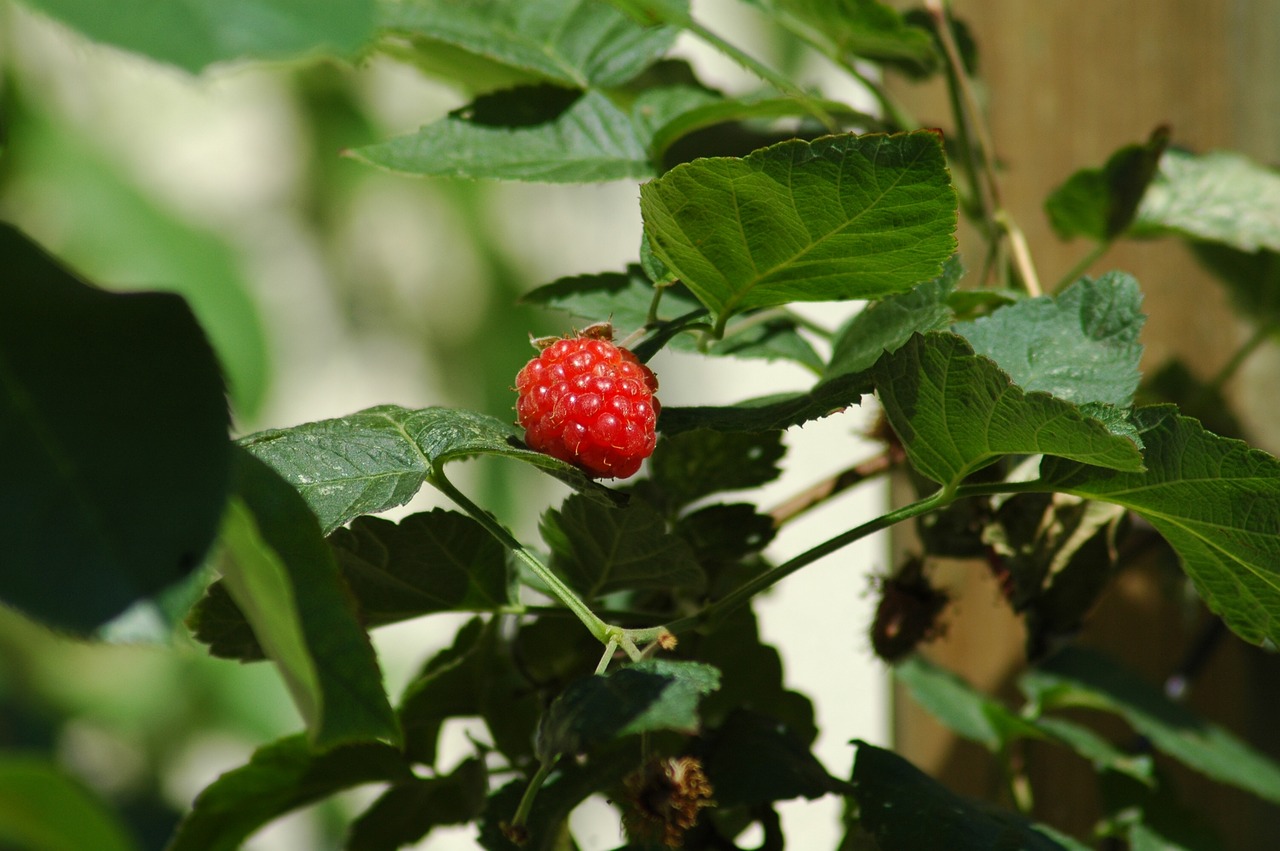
(589, 402)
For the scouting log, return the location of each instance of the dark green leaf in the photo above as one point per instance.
(113, 424)
(771, 412)
(576, 43)
(753, 759)
(960, 707)
(1215, 500)
(726, 532)
(591, 141)
(378, 458)
(1100, 203)
(407, 812)
(1081, 345)
(1216, 197)
(283, 577)
(957, 412)
(842, 217)
(654, 694)
(217, 621)
(194, 34)
(598, 549)
(1080, 678)
(905, 808)
(43, 809)
(435, 561)
(694, 464)
(887, 324)
(280, 777)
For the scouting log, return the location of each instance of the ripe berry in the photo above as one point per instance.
(589, 402)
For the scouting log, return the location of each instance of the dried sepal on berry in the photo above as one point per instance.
(589, 402)
(663, 800)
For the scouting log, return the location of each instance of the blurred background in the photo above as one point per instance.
(328, 286)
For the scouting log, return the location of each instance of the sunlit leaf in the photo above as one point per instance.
(1215, 500)
(842, 217)
(957, 412)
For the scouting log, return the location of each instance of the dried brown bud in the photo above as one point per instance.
(664, 799)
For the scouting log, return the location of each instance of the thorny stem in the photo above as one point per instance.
(824, 490)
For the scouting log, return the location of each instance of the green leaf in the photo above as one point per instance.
(576, 43)
(1081, 345)
(435, 561)
(1215, 500)
(842, 217)
(905, 808)
(651, 695)
(283, 577)
(1081, 678)
(957, 412)
(591, 141)
(280, 777)
(863, 28)
(1100, 203)
(1216, 197)
(753, 759)
(380, 457)
(963, 709)
(693, 464)
(194, 34)
(43, 809)
(726, 532)
(113, 424)
(885, 325)
(217, 621)
(598, 549)
(771, 413)
(1102, 754)
(408, 811)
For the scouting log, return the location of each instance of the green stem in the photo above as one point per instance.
(555, 585)
(1080, 268)
(746, 591)
(1229, 369)
(521, 818)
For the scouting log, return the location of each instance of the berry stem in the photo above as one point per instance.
(562, 592)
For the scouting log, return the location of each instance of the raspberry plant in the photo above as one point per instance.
(619, 655)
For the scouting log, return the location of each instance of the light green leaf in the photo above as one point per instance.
(577, 43)
(591, 141)
(842, 217)
(654, 694)
(194, 34)
(380, 457)
(1081, 345)
(282, 576)
(957, 412)
(885, 325)
(43, 809)
(1102, 754)
(862, 28)
(1215, 500)
(598, 548)
(904, 808)
(113, 442)
(1081, 678)
(280, 777)
(1217, 197)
